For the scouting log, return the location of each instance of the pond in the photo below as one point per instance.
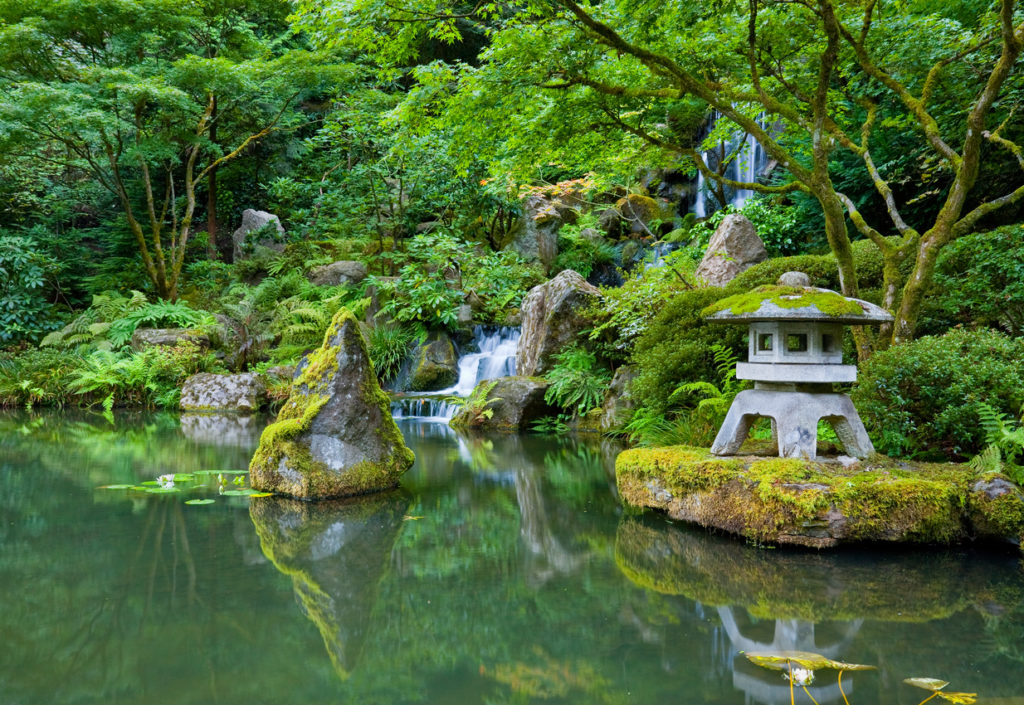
(503, 571)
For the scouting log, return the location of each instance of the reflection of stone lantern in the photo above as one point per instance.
(796, 335)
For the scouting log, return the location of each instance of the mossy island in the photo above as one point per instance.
(817, 503)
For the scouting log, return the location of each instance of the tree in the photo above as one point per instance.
(132, 93)
(811, 80)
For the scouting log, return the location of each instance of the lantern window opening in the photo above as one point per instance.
(796, 343)
(764, 342)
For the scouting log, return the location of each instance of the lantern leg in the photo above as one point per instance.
(734, 430)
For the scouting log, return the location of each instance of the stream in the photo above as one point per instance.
(504, 570)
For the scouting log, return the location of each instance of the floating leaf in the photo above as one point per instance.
(779, 660)
(182, 477)
(932, 684)
(262, 494)
(240, 493)
(115, 487)
(151, 483)
(221, 472)
(200, 501)
(843, 666)
(162, 490)
(959, 698)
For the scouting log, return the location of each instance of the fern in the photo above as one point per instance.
(1004, 438)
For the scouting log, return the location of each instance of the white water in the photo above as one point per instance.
(495, 357)
(749, 162)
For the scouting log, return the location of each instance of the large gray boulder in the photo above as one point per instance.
(636, 215)
(342, 273)
(734, 248)
(334, 437)
(535, 234)
(212, 392)
(513, 403)
(553, 317)
(144, 338)
(435, 365)
(253, 221)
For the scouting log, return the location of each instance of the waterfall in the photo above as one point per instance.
(493, 356)
(750, 160)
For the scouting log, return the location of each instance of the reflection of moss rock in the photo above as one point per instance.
(334, 437)
(336, 553)
(436, 365)
(795, 501)
(804, 585)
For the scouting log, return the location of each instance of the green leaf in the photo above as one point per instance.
(200, 501)
(933, 684)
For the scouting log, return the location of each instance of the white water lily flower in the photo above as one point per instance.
(166, 481)
(800, 676)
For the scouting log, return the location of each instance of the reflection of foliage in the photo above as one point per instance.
(550, 678)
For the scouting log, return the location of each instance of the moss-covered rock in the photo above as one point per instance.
(505, 404)
(827, 302)
(802, 502)
(435, 365)
(334, 437)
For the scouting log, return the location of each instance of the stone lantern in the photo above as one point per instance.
(795, 355)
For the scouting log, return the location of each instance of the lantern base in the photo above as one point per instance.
(795, 416)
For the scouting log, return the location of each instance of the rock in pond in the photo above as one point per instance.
(812, 502)
(553, 317)
(335, 436)
(513, 402)
(734, 248)
(212, 392)
(435, 365)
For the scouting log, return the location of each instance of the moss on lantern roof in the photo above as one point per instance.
(827, 302)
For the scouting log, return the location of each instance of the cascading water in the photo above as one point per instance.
(494, 356)
(746, 166)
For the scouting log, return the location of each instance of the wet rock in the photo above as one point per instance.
(435, 365)
(535, 234)
(553, 316)
(618, 400)
(342, 273)
(206, 391)
(334, 437)
(513, 403)
(144, 338)
(636, 215)
(734, 248)
(266, 225)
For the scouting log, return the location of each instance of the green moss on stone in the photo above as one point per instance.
(829, 303)
(788, 500)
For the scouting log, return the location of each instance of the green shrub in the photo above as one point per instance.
(36, 376)
(579, 253)
(388, 345)
(677, 347)
(922, 398)
(25, 314)
(979, 281)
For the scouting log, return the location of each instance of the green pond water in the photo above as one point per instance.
(503, 571)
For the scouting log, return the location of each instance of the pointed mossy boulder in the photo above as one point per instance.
(335, 436)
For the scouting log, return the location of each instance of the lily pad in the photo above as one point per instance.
(162, 490)
(240, 493)
(843, 666)
(959, 698)
(262, 494)
(221, 472)
(200, 501)
(183, 477)
(782, 660)
(932, 684)
(115, 487)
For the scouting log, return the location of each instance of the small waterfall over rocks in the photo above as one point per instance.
(749, 163)
(493, 356)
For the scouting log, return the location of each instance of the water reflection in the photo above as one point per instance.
(242, 431)
(336, 553)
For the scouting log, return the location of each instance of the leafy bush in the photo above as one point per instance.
(775, 224)
(160, 314)
(581, 253)
(36, 376)
(922, 398)
(501, 280)
(676, 347)
(979, 280)
(577, 382)
(92, 326)
(1004, 439)
(25, 314)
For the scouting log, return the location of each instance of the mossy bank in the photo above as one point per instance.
(792, 501)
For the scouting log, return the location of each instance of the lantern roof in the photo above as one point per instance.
(782, 302)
